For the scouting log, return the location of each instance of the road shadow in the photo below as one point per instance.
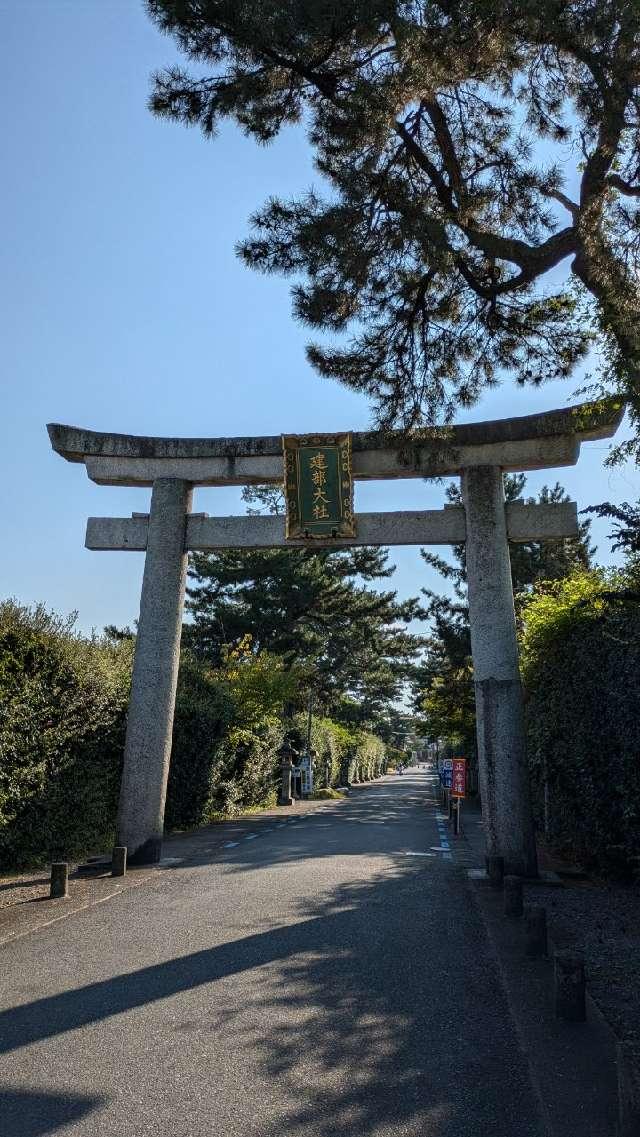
(27, 1113)
(377, 1012)
(400, 810)
(13, 884)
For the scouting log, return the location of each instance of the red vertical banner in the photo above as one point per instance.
(459, 777)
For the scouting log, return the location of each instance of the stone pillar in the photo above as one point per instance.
(155, 675)
(503, 773)
(59, 879)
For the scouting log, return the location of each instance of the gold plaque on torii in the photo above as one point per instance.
(318, 486)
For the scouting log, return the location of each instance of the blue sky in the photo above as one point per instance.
(124, 307)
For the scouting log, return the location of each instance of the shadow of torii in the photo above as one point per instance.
(361, 992)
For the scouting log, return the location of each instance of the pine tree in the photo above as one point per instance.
(625, 535)
(315, 610)
(469, 148)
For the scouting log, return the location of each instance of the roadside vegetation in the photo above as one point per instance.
(63, 701)
(271, 633)
(580, 656)
(322, 637)
(579, 630)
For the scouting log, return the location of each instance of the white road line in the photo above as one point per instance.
(230, 844)
(250, 837)
(412, 854)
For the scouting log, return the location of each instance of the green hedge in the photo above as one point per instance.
(203, 715)
(218, 767)
(63, 706)
(580, 656)
(369, 756)
(341, 749)
(63, 701)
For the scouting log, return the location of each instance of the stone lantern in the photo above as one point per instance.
(287, 754)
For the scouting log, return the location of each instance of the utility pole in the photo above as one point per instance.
(309, 719)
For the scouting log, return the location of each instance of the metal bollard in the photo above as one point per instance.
(535, 929)
(495, 870)
(570, 987)
(456, 819)
(59, 880)
(513, 896)
(119, 861)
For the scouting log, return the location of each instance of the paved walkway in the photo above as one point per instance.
(322, 974)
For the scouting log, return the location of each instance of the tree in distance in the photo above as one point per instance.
(468, 149)
(315, 609)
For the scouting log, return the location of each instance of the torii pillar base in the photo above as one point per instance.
(155, 675)
(503, 771)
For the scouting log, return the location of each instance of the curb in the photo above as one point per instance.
(572, 1066)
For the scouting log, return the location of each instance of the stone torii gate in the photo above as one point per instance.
(478, 452)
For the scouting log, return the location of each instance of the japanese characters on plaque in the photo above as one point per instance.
(459, 777)
(318, 486)
(446, 772)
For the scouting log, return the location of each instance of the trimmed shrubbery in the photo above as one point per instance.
(580, 652)
(63, 701)
(343, 753)
(63, 706)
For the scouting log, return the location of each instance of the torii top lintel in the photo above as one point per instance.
(530, 442)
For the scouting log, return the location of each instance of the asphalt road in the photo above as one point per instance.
(314, 979)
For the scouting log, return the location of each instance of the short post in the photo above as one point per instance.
(535, 930)
(155, 674)
(628, 1064)
(495, 869)
(569, 987)
(456, 817)
(513, 896)
(59, 880)
(119, 861)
